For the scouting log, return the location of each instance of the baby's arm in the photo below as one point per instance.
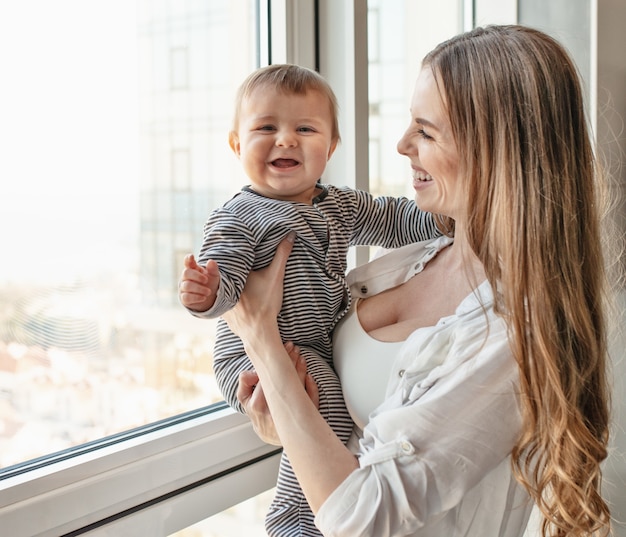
(390, 222)
(197, 288)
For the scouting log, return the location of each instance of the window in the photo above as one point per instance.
(179, 68)
(117, 135)
(395, 49)
(115, 128)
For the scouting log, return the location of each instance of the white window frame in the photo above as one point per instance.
(492, 12)
(164, 476)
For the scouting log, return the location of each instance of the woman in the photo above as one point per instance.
(498, 395)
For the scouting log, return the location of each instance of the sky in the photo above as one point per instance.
(68, 133)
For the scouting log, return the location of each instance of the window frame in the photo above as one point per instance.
(196, 462)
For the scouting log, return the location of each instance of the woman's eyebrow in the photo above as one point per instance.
(425, 122)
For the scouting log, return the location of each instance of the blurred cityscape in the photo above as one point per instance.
(94, 341)
(80, 362)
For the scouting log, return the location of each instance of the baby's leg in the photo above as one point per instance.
(229, 361)
(290, 514)
(227, 372)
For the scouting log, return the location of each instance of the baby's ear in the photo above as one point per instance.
(332, 148)
(233, 141)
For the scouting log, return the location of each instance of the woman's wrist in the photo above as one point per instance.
(263, 340)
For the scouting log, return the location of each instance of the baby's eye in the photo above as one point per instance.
(268, 128)
(306, 129)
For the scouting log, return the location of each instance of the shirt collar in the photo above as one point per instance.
(317, 199)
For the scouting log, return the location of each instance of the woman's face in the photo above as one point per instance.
(429, 145)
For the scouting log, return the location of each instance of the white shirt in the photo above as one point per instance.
(435, 455)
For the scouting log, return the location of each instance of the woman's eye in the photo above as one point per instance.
(424, 134)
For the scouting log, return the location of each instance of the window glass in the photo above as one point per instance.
(400, 33)
(114, 132)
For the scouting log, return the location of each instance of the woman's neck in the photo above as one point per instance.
(459, 256)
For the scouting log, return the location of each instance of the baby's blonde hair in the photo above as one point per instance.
(290, 80)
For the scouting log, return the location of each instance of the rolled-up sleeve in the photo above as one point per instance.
(428, 444)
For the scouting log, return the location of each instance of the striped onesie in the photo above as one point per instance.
(242, 236)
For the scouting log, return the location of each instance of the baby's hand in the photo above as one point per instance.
(198, 285)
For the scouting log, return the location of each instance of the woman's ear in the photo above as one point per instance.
(233, 141)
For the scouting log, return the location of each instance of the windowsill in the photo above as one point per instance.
(135, 472)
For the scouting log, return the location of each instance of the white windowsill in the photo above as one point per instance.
(142, 477)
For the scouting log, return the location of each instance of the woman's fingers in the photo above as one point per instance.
(283, 251)
(307, 380)
(247, 384)
(311, 388)
(250, 395)
(264, 288)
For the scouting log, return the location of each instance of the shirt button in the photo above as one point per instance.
(406, 447)
(401, 372)
(364, 289)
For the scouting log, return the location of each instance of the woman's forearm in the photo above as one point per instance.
(319, 459)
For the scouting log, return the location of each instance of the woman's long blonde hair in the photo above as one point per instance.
(516, 107)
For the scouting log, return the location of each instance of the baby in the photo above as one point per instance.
(285, 130)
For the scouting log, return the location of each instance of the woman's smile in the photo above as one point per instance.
(421, 179)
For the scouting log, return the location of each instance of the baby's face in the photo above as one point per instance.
(284, 142)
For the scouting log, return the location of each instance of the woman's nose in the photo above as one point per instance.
(404, 146)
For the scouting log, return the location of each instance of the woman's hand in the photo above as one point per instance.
(250, 395)
(262, 296)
